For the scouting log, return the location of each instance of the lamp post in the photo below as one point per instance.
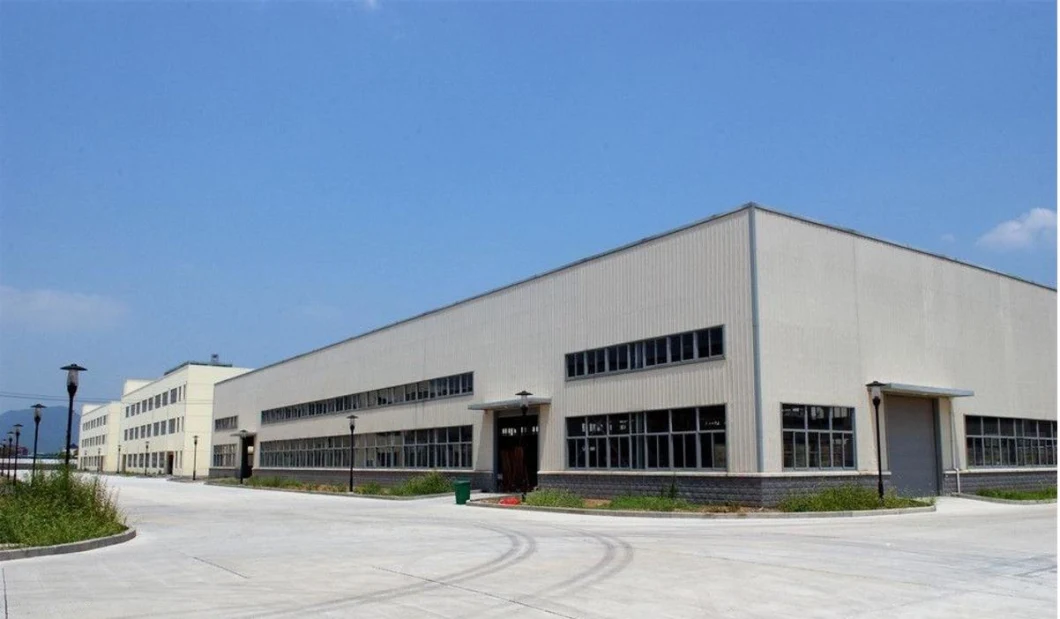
(353, 422)
(147, 455)
(524, 404)
(194, 456)
(242, 454)
(876, 391)
(36, 431)
(117, 466)
(71, 388)
(18, 432)
(10, 442)
(99, 459)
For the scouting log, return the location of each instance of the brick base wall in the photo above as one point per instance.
(384, 477)
(1014, 480)
(749, 490)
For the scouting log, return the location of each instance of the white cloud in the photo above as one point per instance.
(948, 238)
(1025, 232)
(370, 5)
(57, 310)
(319, 311)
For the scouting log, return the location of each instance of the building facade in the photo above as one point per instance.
(166, 424)
(99, 437)
(728, 358)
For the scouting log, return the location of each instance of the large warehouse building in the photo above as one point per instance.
(729, 357)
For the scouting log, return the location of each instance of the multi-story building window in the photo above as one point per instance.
(818, 437)
(1005, 441)
(226, 423)
(658, 351)
(691, 437)
(443, 448)
(224, 456)
(446, 386)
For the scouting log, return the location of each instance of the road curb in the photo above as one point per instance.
(699, 516)
(990, 499)
(62, 549)
(347, 495)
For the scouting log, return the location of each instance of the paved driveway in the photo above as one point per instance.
(218, 552)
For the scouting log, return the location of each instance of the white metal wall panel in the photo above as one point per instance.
(838, 310)
(516, 338)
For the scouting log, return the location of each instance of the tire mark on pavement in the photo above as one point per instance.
(479, 592)
(521, 547)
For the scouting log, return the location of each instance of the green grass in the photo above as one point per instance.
(283, 483)
(372, 487)
(554, 498)
(431, 483)
(650, 503)
(1041, 494)
(52, 510)
(845, 498)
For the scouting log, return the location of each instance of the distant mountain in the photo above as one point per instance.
(52, 427)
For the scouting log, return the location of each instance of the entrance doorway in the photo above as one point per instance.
(246, 458)
(169, 463)
(517, 457)
(913, 445)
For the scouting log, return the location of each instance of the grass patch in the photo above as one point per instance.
(372, 487)
(431, 483)
(651, 504)
(845, 498)
(1041, 494)
(282, 483)
(58, 509)
(554, 498)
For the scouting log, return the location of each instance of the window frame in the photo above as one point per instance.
(646, 354)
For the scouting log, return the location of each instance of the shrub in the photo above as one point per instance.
(553, 498)
(431, 483)
(1041, 494)
(274, 482)
(845, 498)
(650, 503)
(372, 487)
(57, 509)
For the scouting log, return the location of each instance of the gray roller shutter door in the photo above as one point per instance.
(912, 446)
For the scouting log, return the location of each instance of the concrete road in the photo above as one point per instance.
(205, 551)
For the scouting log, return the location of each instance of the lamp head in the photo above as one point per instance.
(524, 398)
(72, 371)
(875, 391)
(353, 421)
(36, 412)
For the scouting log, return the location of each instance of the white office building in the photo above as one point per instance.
(100, 437)
(729, 357)
(167, 423)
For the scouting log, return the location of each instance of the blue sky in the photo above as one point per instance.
(258, 179)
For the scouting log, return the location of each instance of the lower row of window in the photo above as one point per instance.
(444, 448)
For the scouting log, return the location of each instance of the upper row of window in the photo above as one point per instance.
(174, 395)
(458, 384)
(656, 351)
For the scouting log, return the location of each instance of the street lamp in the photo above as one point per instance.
(10, 442)
(18, 432)
(36, 431)
(353, 422)
(147, 455)
(242, 454)
(194, 456)
(71, 388)
(876, 391)
(524, 404)
(99, 459)
(117, 466)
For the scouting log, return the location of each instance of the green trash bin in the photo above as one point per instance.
(463, 490)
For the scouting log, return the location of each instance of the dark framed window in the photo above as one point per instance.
(649, 353)
(1008, 441)
(683, 438)
(817, 437)
(446, 386)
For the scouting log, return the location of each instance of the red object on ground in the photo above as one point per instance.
(509, 500)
